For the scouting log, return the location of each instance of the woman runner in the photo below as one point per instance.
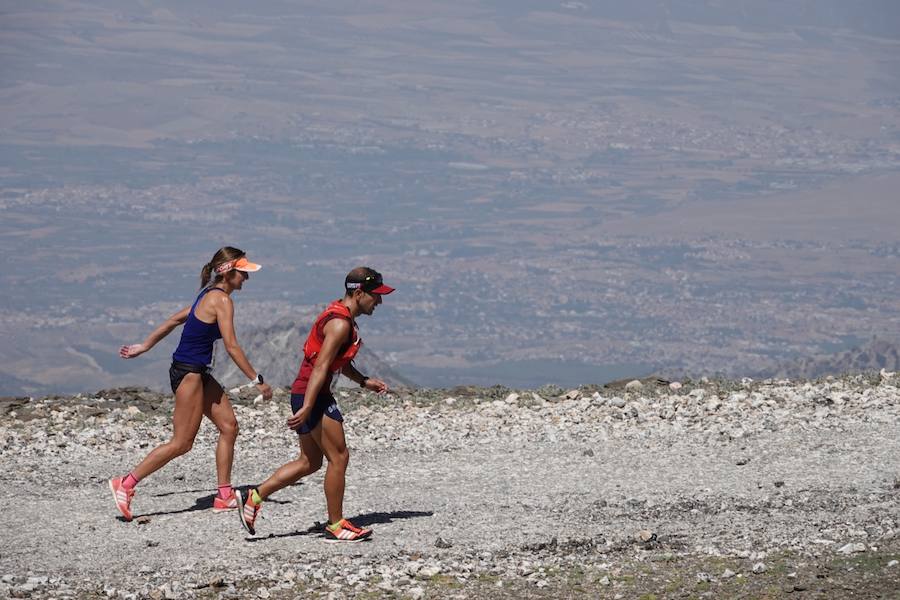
(197, 393)
(332, 343)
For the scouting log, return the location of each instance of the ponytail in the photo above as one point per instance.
(205, 275)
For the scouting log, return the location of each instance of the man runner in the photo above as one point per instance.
(332, 344)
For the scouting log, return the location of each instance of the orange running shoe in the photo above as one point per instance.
(122, 496)
(248, 512)
(345, 531)
(225, 504)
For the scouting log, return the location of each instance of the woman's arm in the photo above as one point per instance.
(159, 333)
(224, 309)
(336, 332)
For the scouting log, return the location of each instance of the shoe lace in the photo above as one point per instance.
(348, 525)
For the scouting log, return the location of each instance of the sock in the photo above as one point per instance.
(225, 491)
(336, 525)
(255, 497)
(130, 481)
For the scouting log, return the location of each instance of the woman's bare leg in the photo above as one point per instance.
(217, 407)
(185, 424)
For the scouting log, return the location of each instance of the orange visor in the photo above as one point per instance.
(241, 264)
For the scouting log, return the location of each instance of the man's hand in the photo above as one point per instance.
(376, 385)
(300, 417)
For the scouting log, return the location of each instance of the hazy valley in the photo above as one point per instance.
(560, 192)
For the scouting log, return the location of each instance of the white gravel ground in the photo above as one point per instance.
(464, 489)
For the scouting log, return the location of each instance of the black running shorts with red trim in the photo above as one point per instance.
(325, 405)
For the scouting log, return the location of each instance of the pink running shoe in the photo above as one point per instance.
(122, 496)
(248, 512)
(345, 531)
(225, 504)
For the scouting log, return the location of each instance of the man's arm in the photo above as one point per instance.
(369, 383)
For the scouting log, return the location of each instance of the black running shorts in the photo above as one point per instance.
(325, 405)
(179, 369)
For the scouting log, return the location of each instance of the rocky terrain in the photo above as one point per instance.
(644, 489)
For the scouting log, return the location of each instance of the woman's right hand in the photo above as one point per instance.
(132, 350)
(265, 389)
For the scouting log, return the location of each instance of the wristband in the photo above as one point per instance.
(362, 383)
(258, 380)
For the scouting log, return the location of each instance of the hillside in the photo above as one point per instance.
(874, 355)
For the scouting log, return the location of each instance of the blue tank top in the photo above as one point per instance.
(197, 337)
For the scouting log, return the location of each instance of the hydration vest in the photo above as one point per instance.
(347, 352)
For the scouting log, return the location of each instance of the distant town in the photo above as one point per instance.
(559, 196)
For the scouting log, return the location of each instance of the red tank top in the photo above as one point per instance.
(346, 353)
